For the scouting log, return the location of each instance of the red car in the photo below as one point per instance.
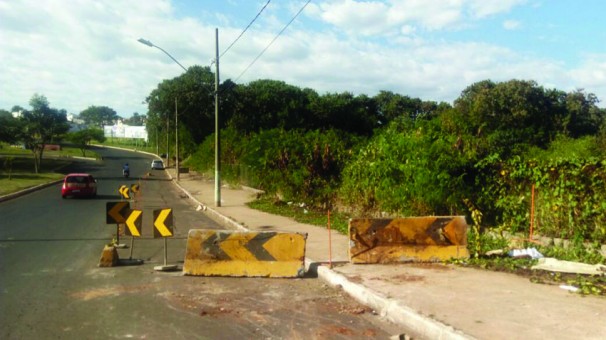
(80, 185)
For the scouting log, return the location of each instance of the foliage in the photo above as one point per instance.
(396, 155)
(41, 125)
(505, 118)
(191, 95)
(268, 104)
(301, 213)
(409, 168)
(578, 252)
(136, 120)
(99, 116)
(305, 166)
(10, 127)
(569, 196)
(21, 176)
(84, 137)
(8, 166)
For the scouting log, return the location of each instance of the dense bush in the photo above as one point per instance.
(303, 166)
(569, 196)
(409, 168)
(484, 155)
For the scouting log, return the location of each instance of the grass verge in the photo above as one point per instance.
(300, 213)
(17, 167)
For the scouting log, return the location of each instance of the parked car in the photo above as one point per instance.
(79, 185)
(157, 164)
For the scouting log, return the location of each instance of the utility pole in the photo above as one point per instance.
(167, 138)
(217, 137)
(176, 140)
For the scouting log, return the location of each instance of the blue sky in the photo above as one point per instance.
(80, 53)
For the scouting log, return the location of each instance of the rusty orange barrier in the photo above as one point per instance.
(409, 239)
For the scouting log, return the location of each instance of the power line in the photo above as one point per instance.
(273, 40)
(245, 29)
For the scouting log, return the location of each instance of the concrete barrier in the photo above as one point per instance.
(249, 254)
(109, 257)
(410, 239)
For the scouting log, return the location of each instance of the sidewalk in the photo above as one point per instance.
(433, 300)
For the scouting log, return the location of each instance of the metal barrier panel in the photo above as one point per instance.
(409, 239)
(252, 254)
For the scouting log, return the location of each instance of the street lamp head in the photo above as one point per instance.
(145, 42)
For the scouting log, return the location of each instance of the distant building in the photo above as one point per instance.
(124, 131)
(74, 119)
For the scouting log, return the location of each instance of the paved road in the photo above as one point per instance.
(51, 287)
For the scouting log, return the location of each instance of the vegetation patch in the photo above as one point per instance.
(302, 214)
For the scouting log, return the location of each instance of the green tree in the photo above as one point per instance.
(346, 112)
(508, 117)
(10, 127)
(269, 104)
(99, 116)
(136, 120)
(83, 138)
(583, 116)
(193, 92)
(41, 126)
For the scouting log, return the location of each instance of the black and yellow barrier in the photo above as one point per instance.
(410, 239)
(252, 254)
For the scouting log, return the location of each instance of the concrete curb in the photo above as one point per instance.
(212, 213)
(389, 309)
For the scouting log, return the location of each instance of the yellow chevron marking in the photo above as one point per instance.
(248, 254)
(124, 191)
(286, 247)
(131, 222)
(159, 223)
(234, 246)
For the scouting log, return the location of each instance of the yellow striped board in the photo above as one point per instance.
(244, 254)
(408, 239)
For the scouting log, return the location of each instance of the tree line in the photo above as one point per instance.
(397, 155)
(394, 154)
(42, 125)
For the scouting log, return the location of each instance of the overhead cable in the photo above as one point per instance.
(245, 29)
(273, 40)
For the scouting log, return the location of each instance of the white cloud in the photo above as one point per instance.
(511, 24)
(592, 75)
(387, 17)
(484, 8)
(87, 54)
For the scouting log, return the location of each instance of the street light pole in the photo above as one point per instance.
(150, 44)
(217, 131)
(167, 139)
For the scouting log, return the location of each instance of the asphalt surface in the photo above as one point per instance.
(52, 288)
(435, 301)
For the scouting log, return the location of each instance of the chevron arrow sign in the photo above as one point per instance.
(254, 254)
(124, 191)
(163, 223)
(133, 223)
(117, 212)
